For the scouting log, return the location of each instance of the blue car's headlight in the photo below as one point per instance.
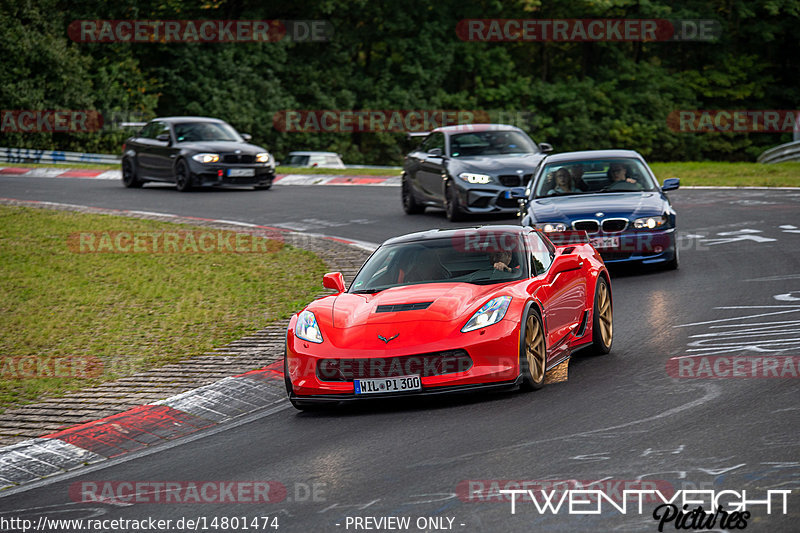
(650, 222)
(306, 327)
(491, 313)
(549, 227)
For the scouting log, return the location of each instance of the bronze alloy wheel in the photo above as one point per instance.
(535, 353)
(603, 322)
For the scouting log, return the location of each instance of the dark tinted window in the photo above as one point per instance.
(205, 131)
(442, 261)
(434, 140)
(491, 142)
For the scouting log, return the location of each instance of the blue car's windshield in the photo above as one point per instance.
(593, 176)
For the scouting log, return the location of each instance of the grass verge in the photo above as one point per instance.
(75, 319)
(730, 174)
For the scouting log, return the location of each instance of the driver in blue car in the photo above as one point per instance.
(621, 179)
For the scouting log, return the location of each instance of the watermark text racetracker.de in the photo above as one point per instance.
(199, 31)
(174, 242)
(50, 121)
(734, 366)
(734, 121)
(587, 30)
(389, 120)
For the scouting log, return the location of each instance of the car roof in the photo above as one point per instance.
(592, 154)
(188, 119)
(448, 233)
(314, 153)
(466, 128)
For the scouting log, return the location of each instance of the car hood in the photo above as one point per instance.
(622, 204)
(499, 164)
(351, 319)
(221, 147)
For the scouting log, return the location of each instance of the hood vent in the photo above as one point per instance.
(419, 306)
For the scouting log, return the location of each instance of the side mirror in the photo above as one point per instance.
(670, 184)
(545, 147)
(333, 280)
(436, 152)
(163, 137)
(247, 137)
(565, 263)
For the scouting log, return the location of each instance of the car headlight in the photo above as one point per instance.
(492, 312)
(262, 157)
(475, 178)
(206, 158)
(650, 222)
(549, 227)
(307, 328)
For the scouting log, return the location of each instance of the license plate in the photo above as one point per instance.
(241, 172)
(384, 385)
(605, 242)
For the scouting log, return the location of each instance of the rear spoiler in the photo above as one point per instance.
(561, 238)
(412, 134)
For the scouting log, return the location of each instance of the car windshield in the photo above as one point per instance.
(479, 143)
(593, 176)
(461, 259)
(205, 131)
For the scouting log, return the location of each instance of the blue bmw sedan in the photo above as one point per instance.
(613, 196)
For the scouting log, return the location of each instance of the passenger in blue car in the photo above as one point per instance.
(621, 180)
(563, 183)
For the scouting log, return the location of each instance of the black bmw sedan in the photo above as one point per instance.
(470, 169)
(195, 152)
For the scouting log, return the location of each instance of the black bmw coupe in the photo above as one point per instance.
(195, 152)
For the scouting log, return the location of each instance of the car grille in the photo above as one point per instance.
(510, 180)
(589, 226)
(428, 364)
(614, 225)
(515, 180)
(246, 159)
(402, 307)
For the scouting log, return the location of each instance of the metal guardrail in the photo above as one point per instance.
(28, 155)
(784, 152)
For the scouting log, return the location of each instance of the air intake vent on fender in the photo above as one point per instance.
(402, 307)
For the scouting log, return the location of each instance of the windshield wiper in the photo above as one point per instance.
(366, 291)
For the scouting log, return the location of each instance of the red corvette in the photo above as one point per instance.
(445, 311)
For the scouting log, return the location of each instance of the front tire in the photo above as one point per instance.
(533, 352)
(129, 177)
(452, 207)
(183, 178)
(410, 204)
(602, 318)
(673, 263)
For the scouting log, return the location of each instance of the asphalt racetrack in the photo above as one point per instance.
(619, 419)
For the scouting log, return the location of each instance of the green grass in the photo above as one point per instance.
(119, 313)
(731, 174)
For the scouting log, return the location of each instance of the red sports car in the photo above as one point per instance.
(445, 311)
